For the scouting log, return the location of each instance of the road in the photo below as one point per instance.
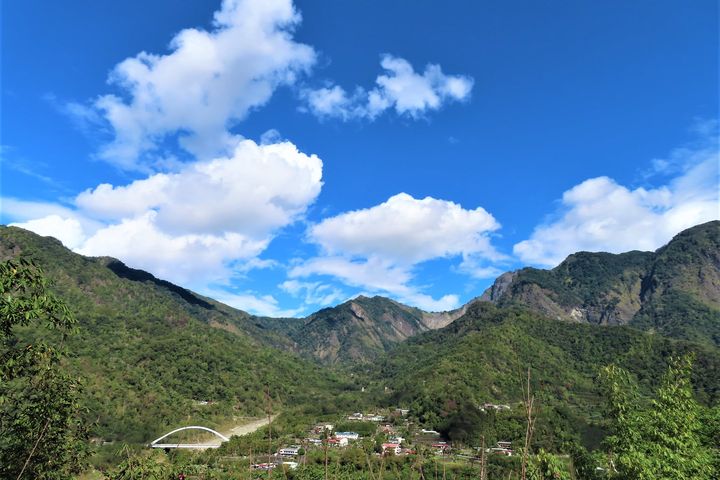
(249, 427)
(246, 428)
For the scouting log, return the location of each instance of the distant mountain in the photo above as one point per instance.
(151, 352)
(446, 376)
(674, 291)
(360, 329)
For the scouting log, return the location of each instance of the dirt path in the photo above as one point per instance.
(247, 427)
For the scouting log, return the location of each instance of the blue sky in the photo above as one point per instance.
(282, 157)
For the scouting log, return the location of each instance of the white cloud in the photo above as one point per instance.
(264, 305)
(313, 293)
(183, 259)
(400, 88)
(601, 215)
(376, 276)
(204, 223)
(372, 273)
(406, 230)
(376, 248)
(257, 189)
(67, 230)
(208, 81)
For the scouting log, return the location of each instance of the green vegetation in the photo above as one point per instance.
(446, 376)
(146, 356)
(150, 352)
(660, 439)
(674, 291)
(355, 331)
(43, 436)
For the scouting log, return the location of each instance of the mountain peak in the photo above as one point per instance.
(677, 283)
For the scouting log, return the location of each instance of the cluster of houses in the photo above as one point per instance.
(324, 434)
(339, 439)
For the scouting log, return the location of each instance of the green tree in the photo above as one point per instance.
(143, 466)
(659, 439)
(41, 434)
(545, 466)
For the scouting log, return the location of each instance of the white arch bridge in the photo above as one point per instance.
(156, 443)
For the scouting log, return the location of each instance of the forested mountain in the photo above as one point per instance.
(359, 329)
(674, 291)
(151, 352)
(446, 376)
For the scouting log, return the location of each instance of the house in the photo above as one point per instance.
(290, 451)
(502, 451)
(503, 448)
(441, 447)
(347, 435)
(323, 427)
(388, 429)
(375, 418)
(402, 411)
(393, 448)
(396, 439)
(337, 442)
(290, 465)
(314, 441)
(355, 416)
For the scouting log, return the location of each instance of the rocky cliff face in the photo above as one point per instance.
(675, 290)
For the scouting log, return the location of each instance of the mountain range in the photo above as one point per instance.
(152, 353)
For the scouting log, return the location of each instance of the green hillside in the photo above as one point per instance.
(674, 291)
(445, 376)
(150, 352)
(358, 330)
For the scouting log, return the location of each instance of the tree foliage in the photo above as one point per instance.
(41, 435)
(659, 439)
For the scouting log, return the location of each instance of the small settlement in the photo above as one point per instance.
(388, 432)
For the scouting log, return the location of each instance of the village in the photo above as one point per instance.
(390, 434)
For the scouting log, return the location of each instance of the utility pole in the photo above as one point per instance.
(529, 411)
(269, 415)
(483, 471)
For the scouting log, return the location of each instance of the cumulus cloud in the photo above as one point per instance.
(258, 188)
(181, 258)
(599, 214)
(400, 88)
(376, 248)
(407, 230)
(66, 229)
(198, 225)
(209, 80)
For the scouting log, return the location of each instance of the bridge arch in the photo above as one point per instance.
(193, 427)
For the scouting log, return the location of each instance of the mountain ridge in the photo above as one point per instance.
(649, 290)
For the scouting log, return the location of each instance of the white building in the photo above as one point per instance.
(290, 451)
(348, 435)
(391, 447)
